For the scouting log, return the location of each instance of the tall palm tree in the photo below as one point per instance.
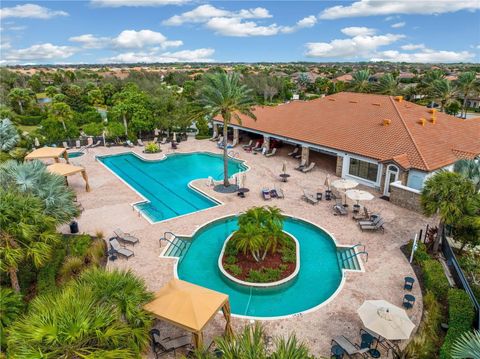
(468, 85)
(444, 91)
(62, 113)
(469, 169)
(360, 81)
(224, 95)
(467, 346)
(25, 233)
(450, 196)
(32, 177)
(21, 97)
(387, 85)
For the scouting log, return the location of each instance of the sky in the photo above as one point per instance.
(129, 31)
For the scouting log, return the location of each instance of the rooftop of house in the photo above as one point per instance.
(380, 127)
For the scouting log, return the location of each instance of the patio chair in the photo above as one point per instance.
(162, 346)
(408, 285)
(271, 153)
(65, 145)
(310, 198)
(384, 343)
(337, 352)
(140, 142)
(374, 219)
(77, 144)
(258, 148)
(164, 141)
(362, 216)
(249, 144)
(294, 152)
(350, 349)
(129, 143)
(301, 166)
(309, 167)
(98, 143)
(408, 301)
(115, 246)
(126, 237)
(280, 193)
(339, 209)
(155, 140)
(251, 147)
(266, 194)
(373, 227)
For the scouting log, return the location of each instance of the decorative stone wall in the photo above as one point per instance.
(338, 170)
(405, 197)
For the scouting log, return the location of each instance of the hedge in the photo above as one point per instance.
(46, 278)
(435, 279)
(460, 319)
(29, 120)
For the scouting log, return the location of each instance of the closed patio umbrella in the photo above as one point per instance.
(174, 137)
(359, 195)
(156, 131)
(386, 319)
(244, 180)
(328, 182)
(37, 142)
(284, 167)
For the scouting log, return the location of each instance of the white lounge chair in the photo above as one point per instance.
(310, 198)
(77, 144)
(129, 143)
(309, 167)
(271, 153)
(164, 141)
(294, 152)
(248, 145)
(140, 142)
(279, 192)
(65, 145)
(98, 143)
(302, 165)
(155, 140)
(127, 253)
(125, 237)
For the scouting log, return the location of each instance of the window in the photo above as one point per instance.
(363, 169)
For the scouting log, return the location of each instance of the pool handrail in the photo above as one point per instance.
(356, 254)
(359, 245)
(164, 238)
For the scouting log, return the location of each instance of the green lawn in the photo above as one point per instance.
(27, 128)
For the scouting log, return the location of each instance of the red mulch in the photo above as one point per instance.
(247, 262)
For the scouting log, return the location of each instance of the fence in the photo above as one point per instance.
(459, 277)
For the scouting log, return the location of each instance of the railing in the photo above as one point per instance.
(164, 238)
(459, 277)
(359, 245)
(356, 254)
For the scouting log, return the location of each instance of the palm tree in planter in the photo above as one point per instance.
(224, 95)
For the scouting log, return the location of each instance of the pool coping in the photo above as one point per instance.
(307, 311)
(190, 184)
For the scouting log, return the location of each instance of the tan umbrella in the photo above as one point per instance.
(174, 137)
(37, 142)
(244, 180)
(284, 167)
(386, 319)
(156, 131)
(344, 184)
(328, 182)
(359, 195)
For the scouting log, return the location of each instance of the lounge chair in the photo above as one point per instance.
(162, 346)
(309, 167)
(249, 145)
(271, 153)
(164, 141)
(98, 143)
(279, 192)
(340, 210)
(155, 140)
(373, 227)
(214, 138)
(362, 216)
(115, 246)
(65, 145)
(77, 144)
(301, 166)
(310, 198)
(258, 147)
(294, 152)
(350, 348)
(266, 194)
(129, 143)
(125, 237)
(408, 285)
(140, 142)
(374, 219)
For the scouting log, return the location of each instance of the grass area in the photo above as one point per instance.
(27, 128)
(41, 95)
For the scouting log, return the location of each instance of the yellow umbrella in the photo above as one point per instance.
(386, 319)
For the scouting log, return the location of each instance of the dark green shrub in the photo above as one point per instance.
(90, 116)
(435, 279)
(29, 120)
(235, 269)
(78, 245)
(460, 319)
(4, 156)
(93, 129)
(202, 137)
(230, 249)
(46, 278)
(421, 253)
(264, 275)
(202, 127)
(231, 260)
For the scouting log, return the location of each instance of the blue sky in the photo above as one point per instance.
(104, 31)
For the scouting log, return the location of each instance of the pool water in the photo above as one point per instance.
(75, 154)
(164, 183)
(319, 277)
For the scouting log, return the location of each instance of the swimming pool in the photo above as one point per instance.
(165, 183)
(75, 154)
(319, 278)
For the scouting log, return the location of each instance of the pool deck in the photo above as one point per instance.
(108, 206)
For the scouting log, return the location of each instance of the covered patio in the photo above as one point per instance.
(65, 170)
(48, 153)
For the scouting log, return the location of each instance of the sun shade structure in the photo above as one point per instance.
(359, 195)
(48, 152)
(65, 169)
(190, 307)
(386, 319)
(344, 184)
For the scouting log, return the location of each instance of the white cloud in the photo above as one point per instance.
(390, 18)
(236, 27)
(411, 47)
(424, 56)
(356, 47)
(204, 13)
(39, 52)
(358, 31)
(198, 55)
(136, 3)
(399, 25)
(306, 22)
(127, 39)
(362, 8)
(30, 11)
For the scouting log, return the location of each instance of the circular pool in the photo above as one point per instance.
(75, 154)
(318, 280)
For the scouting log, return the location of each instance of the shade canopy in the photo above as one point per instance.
(386, 319)
(65, 169)
(359, 195)
(189, 306)
(48, 152)
(344, 184)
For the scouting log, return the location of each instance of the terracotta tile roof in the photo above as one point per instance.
(375, 126)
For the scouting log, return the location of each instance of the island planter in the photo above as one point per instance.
(261, 285)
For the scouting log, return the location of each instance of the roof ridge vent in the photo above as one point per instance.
(353, 101)
(386, 122)
(376, 104)
(422, 121)
(399, 98)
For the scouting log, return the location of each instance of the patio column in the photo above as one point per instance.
(227, 314)
(266, 142)
(236, 135)
(85, 177)
(65, 155)
(215, 129)
(305, 155)
(198, 339)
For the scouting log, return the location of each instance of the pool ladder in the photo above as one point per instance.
(179, 244)
(349, 260)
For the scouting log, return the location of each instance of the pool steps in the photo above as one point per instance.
(348, 259)
(177, 247)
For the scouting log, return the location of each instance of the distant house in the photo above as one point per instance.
(343, 78)
(375, 139)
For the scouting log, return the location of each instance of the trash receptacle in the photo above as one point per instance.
(74, 227)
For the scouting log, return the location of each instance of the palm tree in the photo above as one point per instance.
(20, 96)
(450, 196)
(11, 305)
(249, 238)
(290, 348)
(467, 346)
(61, 112)
(360, 81)
(224, 95)
(8, 135)
(468, 85)
(469, 169)
(25, 233)
(32, 177)
(387, 85)
(443, 91)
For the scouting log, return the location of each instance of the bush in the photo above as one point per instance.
(460, 319)
(46, 278)
(71, 268)
(79, 244)
(231, 260)
(93, 129)
(152, 147)
(4, 156)
(264, 275)
(230, 249)
(435, 279)
(29, 120)
(420, 254)
(202, 127)
(96, 252)
(235, 269)
(90, 116)
(18, 153)
(202, 137)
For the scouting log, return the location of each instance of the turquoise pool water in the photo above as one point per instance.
(164, 183)
(318, 279)
(75, 154)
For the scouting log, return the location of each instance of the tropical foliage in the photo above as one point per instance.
(469, 169)
(11, 305)
(8, 135)
(467, 346)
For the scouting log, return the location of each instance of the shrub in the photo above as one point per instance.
(29, 120)
(4, 156)
(152, 147)
(231, 260)
(93, 129)
(289, 255)
(71, 268)
(231, 249)
(235, 269)
(420, 254)
(264, 275)
(18, 153)
(96, 252)
(460, 319)
(46, 278)
(202, 137)
(435, 279)
(202, 127)
(79, 244)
